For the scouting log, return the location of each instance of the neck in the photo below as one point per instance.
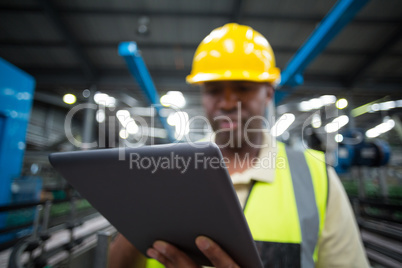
(247, 147)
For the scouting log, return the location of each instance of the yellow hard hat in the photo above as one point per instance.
(234, 52)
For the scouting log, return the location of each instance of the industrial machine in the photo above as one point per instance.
(16, 96)
(364, 153)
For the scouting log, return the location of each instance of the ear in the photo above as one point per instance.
(270, 93)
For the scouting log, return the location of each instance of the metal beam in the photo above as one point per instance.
(137, 67)
(237, 11)
(54, 15)
(120, 78)
(5, 43)
(53, 99)
(157, 72)
(195, 14)
(154, 72)
(337, 18)
(374, 57)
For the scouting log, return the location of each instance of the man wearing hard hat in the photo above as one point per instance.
(296, 207)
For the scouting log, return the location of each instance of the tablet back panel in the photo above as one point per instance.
(164, 192)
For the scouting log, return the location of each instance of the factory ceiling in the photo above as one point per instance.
(70, 45)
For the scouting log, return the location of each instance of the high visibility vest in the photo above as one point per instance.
(287, 216)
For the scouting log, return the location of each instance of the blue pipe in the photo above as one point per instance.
(337, 18)
(136, 65)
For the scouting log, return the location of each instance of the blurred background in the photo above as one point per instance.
(71, 78)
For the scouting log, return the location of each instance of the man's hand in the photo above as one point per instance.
(171, 257)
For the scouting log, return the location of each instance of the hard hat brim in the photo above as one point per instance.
(240, 75)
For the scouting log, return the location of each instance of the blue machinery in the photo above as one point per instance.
(337, 18)
(370, 154)
(16, 95)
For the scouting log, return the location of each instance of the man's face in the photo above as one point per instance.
(230, 104)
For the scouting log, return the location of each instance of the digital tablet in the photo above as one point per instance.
(172, 192)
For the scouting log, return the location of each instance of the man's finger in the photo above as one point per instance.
(173, 256)
(218, 257)
(154, 254)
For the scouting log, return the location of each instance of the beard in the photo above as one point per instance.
(236, 135)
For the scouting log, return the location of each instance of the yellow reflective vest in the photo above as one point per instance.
(287, 216)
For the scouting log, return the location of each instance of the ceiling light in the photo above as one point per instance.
(173, 98)
(337, 124)
(122, 115)
(131, 127)
(316, 121)
(338, 137)
(375, 107)
(86, 93)
(69, 98)
(180, 121)
(372, 133)
(328, 99)
(123, 134)
(386, 126)
(341, 104)
(104, 99)
(100, 116)
(387, 105)
(315, 103)
(282, 124)
(143, 25)
(304, 106)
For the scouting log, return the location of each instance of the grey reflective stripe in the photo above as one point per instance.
(306, 205)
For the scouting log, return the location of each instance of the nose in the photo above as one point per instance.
(228, 99)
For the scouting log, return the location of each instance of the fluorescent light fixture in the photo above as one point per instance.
(385, 106)
(316, 103)
(386, 126)
(176, 118)
(337, 124)
(338, 137)
(104, 99)
(316, 121)
(341, 104)
(327, 99)
(100, 116)
(372, 133)
(123, 134)
(173, 98)
(122, 115)
(304, 106)
(375, 107)
(131, 127)
(69, 98)
(127, 122)
(282, 124)
(86, 93)
(180, 121)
